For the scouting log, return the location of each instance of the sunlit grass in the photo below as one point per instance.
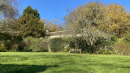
(39, 62)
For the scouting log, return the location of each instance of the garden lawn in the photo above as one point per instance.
(47, 62)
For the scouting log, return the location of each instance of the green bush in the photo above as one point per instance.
(2, 48)
(39, 45)
(43, 45)
(24, 45)
(12, 44)
(113, 40)
(35, 43)
(84, 52)
(44, 50)
(56, 44)
(101, 43)
(123, 45)
(66, 49)
(72, 44)
(127, 37)
(101, 52)
(4, 36)
(78, 42)
(104, 52)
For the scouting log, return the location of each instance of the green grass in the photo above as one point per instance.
(46, 62)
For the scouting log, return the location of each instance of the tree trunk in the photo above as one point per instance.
(93, 49)
(119, 34)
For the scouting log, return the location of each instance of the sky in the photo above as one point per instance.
(56, 9)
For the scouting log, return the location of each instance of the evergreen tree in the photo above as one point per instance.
(29, 26)
(29, 10)
(36, 14)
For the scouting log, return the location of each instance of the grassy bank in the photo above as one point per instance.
(39, 62)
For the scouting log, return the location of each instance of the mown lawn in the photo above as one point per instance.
(45, 62)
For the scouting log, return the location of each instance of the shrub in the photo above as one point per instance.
(101, 51)
(44, 50)
(39, 45)
(27, 42)
(127, 38)
(2, 48)
(113, 40)
(24, 45)
(43, 45)
(102, 43)
(56, 44)
(84, 52)
(4, 36)
(104, 52)
(122, 46)
(12, 44)
(72, 44)
(78, 42)
(66, 49)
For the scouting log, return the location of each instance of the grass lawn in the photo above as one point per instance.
(46, 62)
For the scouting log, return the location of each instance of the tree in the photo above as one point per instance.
(85, 21)
(8, 8)
(29, 26)
(8, 13)
(129, 24)
(44, 22)
(60, 28)
(118, 17)
(49, 24)
(53, 28)
(29, 10)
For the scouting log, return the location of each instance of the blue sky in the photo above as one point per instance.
(56, 9)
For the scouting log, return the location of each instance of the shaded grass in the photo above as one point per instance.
(49, 62)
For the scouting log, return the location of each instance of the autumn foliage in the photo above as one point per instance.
(94, 16)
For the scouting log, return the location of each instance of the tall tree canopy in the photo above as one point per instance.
(93, 16)
(28, 24)
(8, 8)
(29, 10)
(118, 16)
(85, 20)
(8, 13)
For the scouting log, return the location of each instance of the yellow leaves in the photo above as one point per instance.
(53, 28)
(71, 25)
(75, 10)
(114, 26)
(118, 16)
(99, 22)
(110, 17)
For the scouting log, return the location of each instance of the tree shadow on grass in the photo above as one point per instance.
(13, 68)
